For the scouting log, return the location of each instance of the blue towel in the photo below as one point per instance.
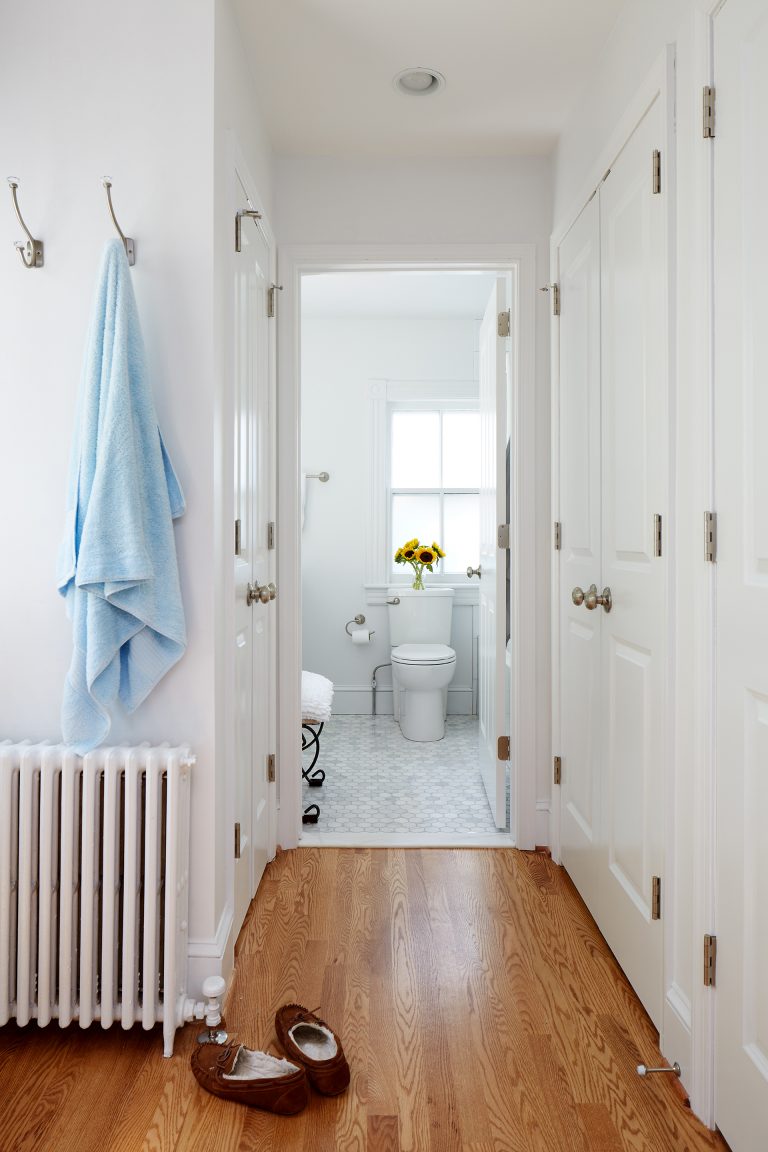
(117, 565)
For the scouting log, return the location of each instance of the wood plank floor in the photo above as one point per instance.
(480, 1010)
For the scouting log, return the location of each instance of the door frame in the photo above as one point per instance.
(678, 77)
(293, 262)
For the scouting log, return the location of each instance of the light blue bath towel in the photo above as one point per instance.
(117, 565)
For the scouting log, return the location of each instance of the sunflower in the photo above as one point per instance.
(409, 553)
(436, 548)
(399, 556)
(412, 543)
(426, 556)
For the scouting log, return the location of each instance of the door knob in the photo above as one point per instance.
(593, 598)
(262, 592)
(475, 572)
(578, 596)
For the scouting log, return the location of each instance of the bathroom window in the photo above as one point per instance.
(434, 482)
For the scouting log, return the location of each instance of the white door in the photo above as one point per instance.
(581, 549)
(493, 512)
(741, 493)
(614, 482)
(254, 623)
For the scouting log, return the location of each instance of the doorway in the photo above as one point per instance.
(389, 361)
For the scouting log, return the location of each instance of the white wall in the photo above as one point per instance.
(340, 356)
(637, 41)
(128, 91)
(396, 202)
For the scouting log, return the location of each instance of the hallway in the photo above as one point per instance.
(479, 1007)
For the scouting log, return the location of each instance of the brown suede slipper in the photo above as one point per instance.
(307, 1040)
(255, 1078)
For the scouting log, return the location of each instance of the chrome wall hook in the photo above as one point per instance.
(128, 243)
(30, 250)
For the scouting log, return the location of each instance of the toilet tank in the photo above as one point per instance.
(420, 617)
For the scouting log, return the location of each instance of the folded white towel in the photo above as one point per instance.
(316, 697)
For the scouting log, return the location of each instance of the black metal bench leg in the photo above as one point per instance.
(310, 742)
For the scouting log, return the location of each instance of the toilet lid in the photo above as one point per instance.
(423, 654)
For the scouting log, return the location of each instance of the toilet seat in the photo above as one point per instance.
(423, 654)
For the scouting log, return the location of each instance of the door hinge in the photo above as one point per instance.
(710, 536)
(237, 537)
(503, 535)
(656, 898)
(271, 534)
(244, 213)
(237, 840)
(555, 290)
(502, 748)
(656, 172)
(710, 961)
(657, 525)
(708, 113)
(273, 288)
(558, 535)
(504, 320)
(558, 765)
(271, 768)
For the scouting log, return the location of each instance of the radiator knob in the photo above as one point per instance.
(213, 990)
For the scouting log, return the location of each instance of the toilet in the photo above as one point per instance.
(423, 664)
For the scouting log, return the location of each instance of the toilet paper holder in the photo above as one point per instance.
(359, 619)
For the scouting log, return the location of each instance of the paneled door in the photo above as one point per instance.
(492, 685)
(254, 617)
(741, 494)
(614, 472)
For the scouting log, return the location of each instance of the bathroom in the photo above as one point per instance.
(398, 353)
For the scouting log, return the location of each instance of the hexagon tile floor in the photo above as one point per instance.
(377, 781)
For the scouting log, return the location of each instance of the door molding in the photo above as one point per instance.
(293, 263)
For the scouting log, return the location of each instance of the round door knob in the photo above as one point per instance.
(262, 592)
(593, 598)
(578, 596)
(272, 591)
(475, 572)
(590, 598)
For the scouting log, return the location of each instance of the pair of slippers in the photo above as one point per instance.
(314, 1056)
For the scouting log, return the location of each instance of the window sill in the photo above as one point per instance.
(463, 593)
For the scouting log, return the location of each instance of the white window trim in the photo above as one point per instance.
(416, 394)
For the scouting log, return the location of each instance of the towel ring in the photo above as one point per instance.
(31, 250)
(128, 243)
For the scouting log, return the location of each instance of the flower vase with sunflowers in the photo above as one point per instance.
(419, 556)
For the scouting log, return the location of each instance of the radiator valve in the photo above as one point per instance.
(213, 990)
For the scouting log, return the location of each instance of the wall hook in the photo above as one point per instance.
(128, 243)
(31, 250)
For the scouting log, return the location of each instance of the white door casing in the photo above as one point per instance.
(613, 481)
(741, 494)
(254, 624)
(492, 681)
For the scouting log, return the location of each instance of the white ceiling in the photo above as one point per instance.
(324, 68)
(460, 295)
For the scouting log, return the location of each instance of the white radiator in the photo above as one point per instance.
(94, 868)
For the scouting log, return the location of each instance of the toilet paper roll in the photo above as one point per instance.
(361, 636)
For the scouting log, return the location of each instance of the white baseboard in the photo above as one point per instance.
(542, 823)
(357, 700)
(211, 956)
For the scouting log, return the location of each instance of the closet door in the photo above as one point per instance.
(580, 553)
(613, 483)
(634, 491)
(741, 490)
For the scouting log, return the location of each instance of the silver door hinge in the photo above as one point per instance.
(558, 769)
(502, 748)
(657, 525)
(656, 898)
(558, 535)
(271, 768)
(237, 537)
(555, 290)
(503, 536)
(237, 840)
(504, 321)
(273, 288)
(244, 213)
(710, 537)
(656, 172)
(710, 961)
(271, 534)
(708, 113)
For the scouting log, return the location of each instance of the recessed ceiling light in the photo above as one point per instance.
(418, 81)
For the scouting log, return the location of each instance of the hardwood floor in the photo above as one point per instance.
(480, 1010)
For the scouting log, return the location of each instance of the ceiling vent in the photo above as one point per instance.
(419, 81)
